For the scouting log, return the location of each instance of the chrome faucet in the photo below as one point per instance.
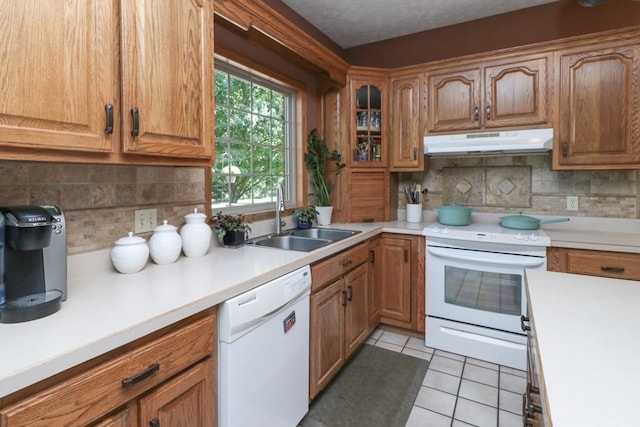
(279, 208)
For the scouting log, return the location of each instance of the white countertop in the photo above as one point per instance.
(586, 329)
(106, 309)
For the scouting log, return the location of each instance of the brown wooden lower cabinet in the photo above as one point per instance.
(399, 272)
(339, 315)
(168, 378)
(617, 265)
(378, 281)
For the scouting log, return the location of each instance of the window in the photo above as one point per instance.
(254, 140)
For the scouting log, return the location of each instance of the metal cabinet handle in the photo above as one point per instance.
(406, 256)
(612, 269)
(415, 153)
(108, 129)
(135, 121)
(344, 298)
(372, 256)
(524, 327)
(488, 112)
(131, 381)
(347, 263)
(476, 113)
(565, 149)
(349, 293)
(529, 410)
(525, 415)
(154, 423)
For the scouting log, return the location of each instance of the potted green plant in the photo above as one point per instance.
(318, 158)
(305, 216)
(231, 229)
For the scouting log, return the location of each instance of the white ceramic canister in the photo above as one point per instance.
(130, 254)
(165, 244)
(196, 234)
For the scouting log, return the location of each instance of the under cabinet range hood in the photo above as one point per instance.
(499, 142)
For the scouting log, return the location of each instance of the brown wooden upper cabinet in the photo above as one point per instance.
(407, 153)
(65, 68)
(502, 93)
(368, 142)
(599, 107)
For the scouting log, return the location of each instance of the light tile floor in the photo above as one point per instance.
(459, 391)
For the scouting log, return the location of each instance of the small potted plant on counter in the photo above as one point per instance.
(231, 229)
(305, 216)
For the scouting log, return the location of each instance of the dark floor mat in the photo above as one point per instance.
(376, 388)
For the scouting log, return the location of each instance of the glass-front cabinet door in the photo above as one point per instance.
(369, 141)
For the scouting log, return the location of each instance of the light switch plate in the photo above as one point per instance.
(145, 220)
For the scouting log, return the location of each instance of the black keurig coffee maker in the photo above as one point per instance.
(35, 262)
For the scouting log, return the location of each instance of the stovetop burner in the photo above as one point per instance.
(488, 232)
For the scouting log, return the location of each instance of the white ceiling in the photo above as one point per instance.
(356, 22)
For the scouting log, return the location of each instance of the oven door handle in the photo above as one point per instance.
(473, 257)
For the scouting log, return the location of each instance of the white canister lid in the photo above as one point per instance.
(195, 216)
(165, 226)
(130, 239)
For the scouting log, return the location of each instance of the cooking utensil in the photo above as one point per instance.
(524, 222)
(454, 214)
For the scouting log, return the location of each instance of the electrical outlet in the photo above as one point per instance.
(572, 203)
(145, 220)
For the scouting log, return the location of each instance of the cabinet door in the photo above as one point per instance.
(369, 145)
(187, 400)
(370, 192)
(356, 322)
(454, 100)
(59, 74)
(167, 72)
(405, 135)
(395, 270)
(374, 284)
(599, 108)
(326, 345)
(516, 93)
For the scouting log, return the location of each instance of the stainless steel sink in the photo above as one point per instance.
(332, 234)
(302, 240)
(288, 242)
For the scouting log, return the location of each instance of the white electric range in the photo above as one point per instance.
(475, 292)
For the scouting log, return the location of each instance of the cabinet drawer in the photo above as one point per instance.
(328, 270)
(605, 264)
(100, 390)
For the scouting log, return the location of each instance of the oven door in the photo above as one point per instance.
(478, 288)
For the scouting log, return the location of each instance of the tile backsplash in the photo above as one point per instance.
(99, 200)
(506, 184)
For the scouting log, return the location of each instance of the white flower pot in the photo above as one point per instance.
(324, 214)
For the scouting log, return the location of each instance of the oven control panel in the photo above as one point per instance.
(489, 233)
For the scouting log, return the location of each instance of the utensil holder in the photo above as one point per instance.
(414, 212)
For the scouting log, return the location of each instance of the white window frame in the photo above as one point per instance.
(222, 160)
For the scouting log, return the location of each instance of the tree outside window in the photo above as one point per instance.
(253, 119)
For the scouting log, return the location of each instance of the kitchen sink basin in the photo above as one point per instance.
(302, 240)
(292, 243)
(324, 233)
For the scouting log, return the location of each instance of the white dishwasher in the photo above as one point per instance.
(264, 354)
